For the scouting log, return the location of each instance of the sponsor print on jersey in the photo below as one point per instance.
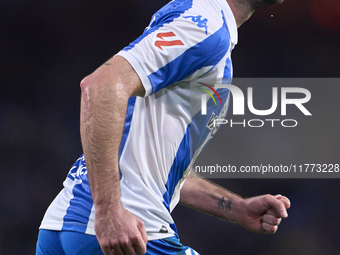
(168, 39)
(78, 169)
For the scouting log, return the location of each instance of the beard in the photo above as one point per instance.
(258, 4)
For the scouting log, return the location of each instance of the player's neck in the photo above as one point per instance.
(241, 10)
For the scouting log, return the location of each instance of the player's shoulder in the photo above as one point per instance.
(191, 22)
(200, 12)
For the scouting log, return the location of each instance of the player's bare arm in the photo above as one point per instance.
(105, 94)
(260, 214)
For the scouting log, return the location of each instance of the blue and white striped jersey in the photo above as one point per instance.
(188, 43)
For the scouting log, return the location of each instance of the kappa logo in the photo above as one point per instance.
(202, 23)
(166, 40)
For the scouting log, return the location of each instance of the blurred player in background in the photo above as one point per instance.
(142, 129)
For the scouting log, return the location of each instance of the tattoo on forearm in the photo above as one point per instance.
(107, 64)
(225, 205)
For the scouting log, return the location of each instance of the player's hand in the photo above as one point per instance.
(120, 233)
(263, 214)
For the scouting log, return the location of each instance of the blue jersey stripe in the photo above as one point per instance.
(199, 130)
(196, 133)
(206, 53)
(174, 228)
(79, 209)
(78, 213)
(227, 76)
(127, 123)
(179, 165)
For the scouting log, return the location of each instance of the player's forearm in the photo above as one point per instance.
(102, 118)
(105, 94)
(212, 199)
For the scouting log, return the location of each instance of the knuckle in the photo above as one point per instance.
(273, 229)
(135, 238)
(140, 223)
(266, 198)
(270, 229)
(115, 244)
(141, 249)
(104, 243)
(269, 197)
(124, 241)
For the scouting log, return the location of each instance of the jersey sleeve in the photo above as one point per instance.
(181, 39)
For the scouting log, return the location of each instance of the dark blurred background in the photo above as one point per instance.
(47, 47)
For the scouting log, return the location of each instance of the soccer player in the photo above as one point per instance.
(142, 129)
